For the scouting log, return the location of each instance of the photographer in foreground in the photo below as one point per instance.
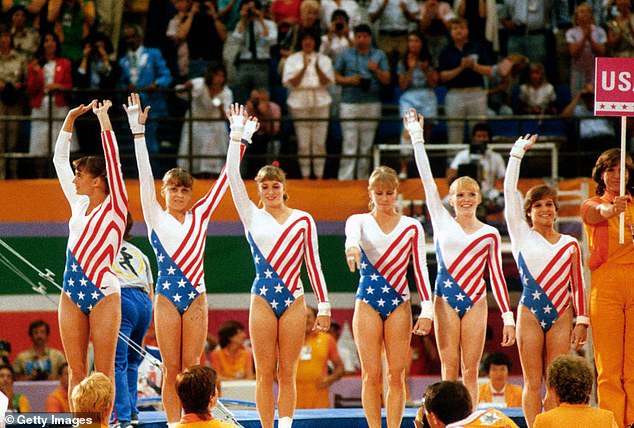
(360, 70)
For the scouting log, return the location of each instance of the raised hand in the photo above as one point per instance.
(237, 117)
(522, 144)
(414, 124)
(100, 108)
(250, 128)
(137, 116)
(81, 109)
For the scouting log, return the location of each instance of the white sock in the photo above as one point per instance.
(285, 422)
(172, 424)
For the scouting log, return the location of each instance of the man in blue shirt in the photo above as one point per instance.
(360, 70)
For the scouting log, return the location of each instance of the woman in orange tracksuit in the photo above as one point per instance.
(612, 291)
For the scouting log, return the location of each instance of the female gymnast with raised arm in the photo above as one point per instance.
(279, 238)
(549, 264)
(90, 305)
(464, 247)
(177, 235)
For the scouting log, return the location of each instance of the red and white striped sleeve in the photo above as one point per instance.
(421, 275)
(313, 266)
(118, 194)
(498, 283)
(578, 286)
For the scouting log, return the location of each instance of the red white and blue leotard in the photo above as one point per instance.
(462, 257)
(547, 271)
(94, 239)
(179, 247)
(277, 249)
(384, 261)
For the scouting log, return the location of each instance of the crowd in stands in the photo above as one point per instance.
(310, 61)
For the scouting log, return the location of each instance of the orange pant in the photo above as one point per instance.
(612, 318)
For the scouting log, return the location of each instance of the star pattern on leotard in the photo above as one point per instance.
(534, 298)
(375, 290)
(449, 290)
(172, 282)
(79, 287)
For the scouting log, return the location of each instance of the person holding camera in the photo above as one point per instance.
(482, 164)
(210, 97)
(38, 362)
(328, 8)
(255, 35)
(339, 36)
(360, 70)
(307, 74)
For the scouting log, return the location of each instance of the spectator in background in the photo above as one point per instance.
(328, 8)
(393, 18)
(482, 17)
(94, 395)
(621, 31)
(18, 403)
(307, 74)
(269, 115)
(205, 34)
(144, 70)
(57, 401)
(255, 35)
(339, 36)
(586, 41)
(309, 20)
(210, 98)
(134, 272)
(286, 14)
(33, 9)
(198, 391)
(232, 360)
(503, 83)
(416, 78)
(109, 17)
(39, 362)
(570, 378)
(72, 21)
(97, 72)
(25, 38)
(360, 70)
(498, 392)
(5, 351)
(12, 101)
(314, 376)
(45, 74)
(527, 25)
(537, 95)
(176, 33)
(435, 19)
(463, 65)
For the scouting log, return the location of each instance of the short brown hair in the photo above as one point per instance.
(178, 177)
(571, 378)
(537, 193)
(272, 173)
(608, 159)
(195, 386)
(93, 165)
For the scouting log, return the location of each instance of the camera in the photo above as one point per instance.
(339, 26)
(251, 13)
(477, 148)
(364, 83)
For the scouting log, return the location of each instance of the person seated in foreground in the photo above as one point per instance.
(498, 392)
(196, 388)
(94, 396)
(570, 379)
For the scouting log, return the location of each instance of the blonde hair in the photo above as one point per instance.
(272, 173)
(382, 177)
(462, 183)
(94, 394)
(309, 6)
(178, 177)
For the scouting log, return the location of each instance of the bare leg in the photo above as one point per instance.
(447, 330)
(264, 336)
(557, 343)
(168, 324)
(397, 335)
(473, 328)
(292, 327)
(530, 342)
(194, 334)
(75, 331)
(367, 326)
